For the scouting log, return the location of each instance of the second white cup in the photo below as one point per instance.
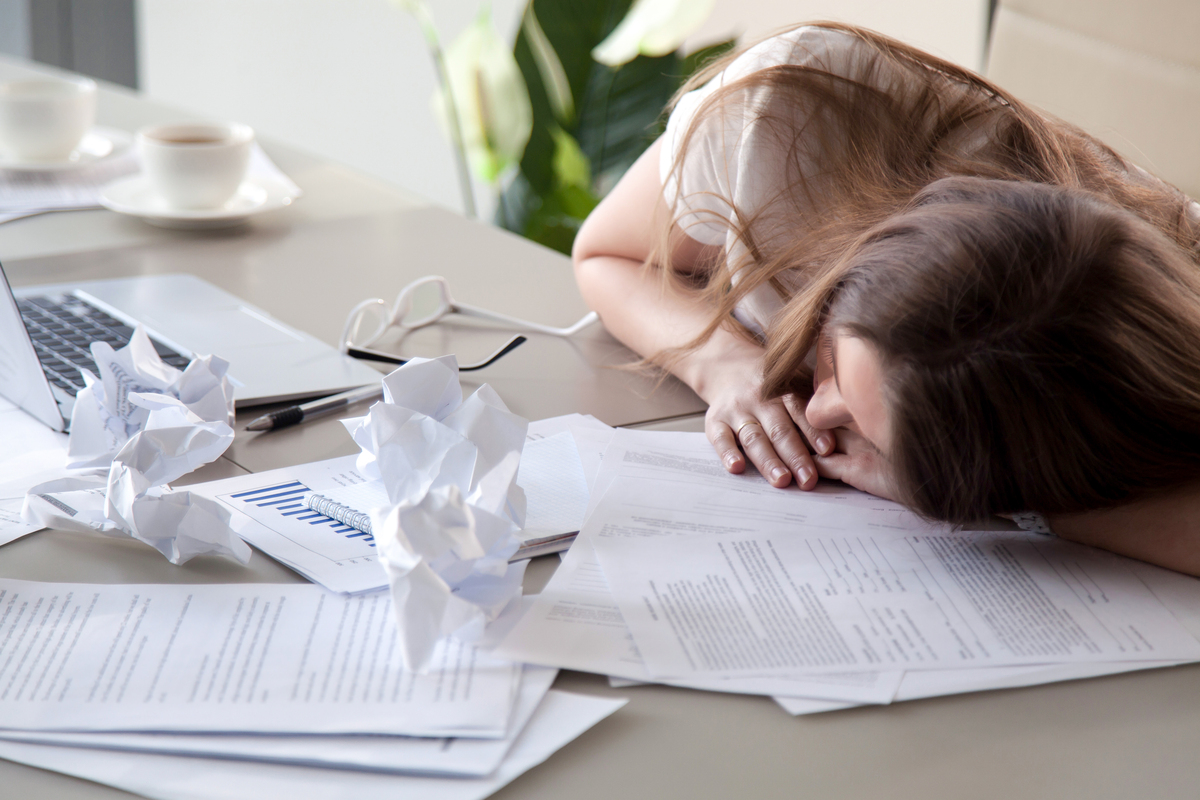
(196, 165)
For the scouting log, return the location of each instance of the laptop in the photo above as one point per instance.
(45, 333)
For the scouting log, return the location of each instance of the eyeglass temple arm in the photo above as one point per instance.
(366, 354)
(482, 313)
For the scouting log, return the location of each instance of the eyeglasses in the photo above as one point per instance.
(407, 314)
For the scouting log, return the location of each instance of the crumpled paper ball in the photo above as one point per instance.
(449, 467)
(138, 426)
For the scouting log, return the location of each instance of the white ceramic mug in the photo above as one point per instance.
(195, 165)
(45, 119)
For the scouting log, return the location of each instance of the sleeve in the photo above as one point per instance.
(728, 164)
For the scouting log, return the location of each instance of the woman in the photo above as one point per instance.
(847, 246)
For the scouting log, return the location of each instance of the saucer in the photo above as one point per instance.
(256, 195)
(97, 145)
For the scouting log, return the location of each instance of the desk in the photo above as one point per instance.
(1125, 736)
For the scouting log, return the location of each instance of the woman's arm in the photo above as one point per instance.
(1163, 530)
(642, 311)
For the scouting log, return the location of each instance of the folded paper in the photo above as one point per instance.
(138, 426)
(449, 469)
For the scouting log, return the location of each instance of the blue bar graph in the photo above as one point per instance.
(288, 500)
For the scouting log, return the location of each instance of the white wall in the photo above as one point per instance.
(952, 29)
(351, 79)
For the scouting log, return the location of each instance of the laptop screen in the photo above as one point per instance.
(22, 380)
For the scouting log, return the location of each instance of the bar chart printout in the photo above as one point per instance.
(336, 555)
(290, 501)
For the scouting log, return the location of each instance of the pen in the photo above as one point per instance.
(326, 405)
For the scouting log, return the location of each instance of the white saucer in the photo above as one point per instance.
(256, 195)
(97, 145)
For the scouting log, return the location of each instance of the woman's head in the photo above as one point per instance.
(1039, 348)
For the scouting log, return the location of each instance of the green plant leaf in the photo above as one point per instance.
(618, 114)
(571, 167)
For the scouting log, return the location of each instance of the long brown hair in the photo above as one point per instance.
(940, 193)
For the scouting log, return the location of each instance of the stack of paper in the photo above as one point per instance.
(687, 575)
(25, 193)
(266, 691)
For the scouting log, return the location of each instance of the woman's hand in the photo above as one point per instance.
(856, 462)
(773, 433)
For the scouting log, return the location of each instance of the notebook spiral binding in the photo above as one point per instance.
(342, 513)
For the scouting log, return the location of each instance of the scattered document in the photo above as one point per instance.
(25, 193)
(678, 458)
(763, 590)
(236, 658)
(574, 624)
(459, 757)
(560, 718)
(30, 192)
(1178, 592)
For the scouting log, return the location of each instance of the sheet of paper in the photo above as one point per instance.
(556, 492)
(400, 754)
(591, 445)
(1179, 593)
(674, 457)
(764, 589)
(544, 428)
(340, 558)
(22, 192)
(574, 624)
(939, 683)
(246, 658)
(30, 453)
(559, 719)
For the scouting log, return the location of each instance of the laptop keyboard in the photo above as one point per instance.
(62, 328)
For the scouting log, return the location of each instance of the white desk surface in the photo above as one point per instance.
(1125, 736)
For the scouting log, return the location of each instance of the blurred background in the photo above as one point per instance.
(353, 80)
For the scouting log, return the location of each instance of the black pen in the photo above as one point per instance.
(306, 411)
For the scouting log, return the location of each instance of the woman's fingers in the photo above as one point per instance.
(770, 440)
(761, 452)
(788, 446)
(822, 441)
(723, 441)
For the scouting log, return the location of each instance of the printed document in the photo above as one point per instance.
(574, 624)
(560, 718)
(400, 754)
(769, 588)
(250, 658)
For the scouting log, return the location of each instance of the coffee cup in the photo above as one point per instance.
(195, 165)
(45, 119)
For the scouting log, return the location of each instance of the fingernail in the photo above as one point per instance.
(805, 474)
(730, 460)
(824, 443)
(778, 473)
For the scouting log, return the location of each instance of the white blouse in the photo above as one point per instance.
(734, 159)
